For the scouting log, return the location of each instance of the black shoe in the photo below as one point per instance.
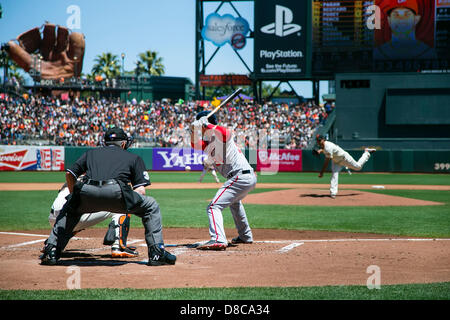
(239, 240)
(50, 256)
(158, 256)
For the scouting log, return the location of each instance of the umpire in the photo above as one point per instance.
(109, 170)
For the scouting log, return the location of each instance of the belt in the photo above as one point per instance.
(232, 174)
(101, 182)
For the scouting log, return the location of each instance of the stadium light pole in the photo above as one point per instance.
(123, 58)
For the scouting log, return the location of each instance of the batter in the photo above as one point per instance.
(218, 143)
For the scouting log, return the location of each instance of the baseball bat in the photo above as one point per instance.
(224, 102)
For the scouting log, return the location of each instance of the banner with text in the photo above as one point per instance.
(16, 158)
(280, 39)
(173, 159)
(278, 160)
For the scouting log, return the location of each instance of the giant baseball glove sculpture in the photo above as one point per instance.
(58, 54)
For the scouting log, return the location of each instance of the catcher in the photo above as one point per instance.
(118, 229)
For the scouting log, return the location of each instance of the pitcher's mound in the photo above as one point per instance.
(321, 197)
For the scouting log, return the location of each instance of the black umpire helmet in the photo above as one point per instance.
(117, 134)
(212, 119)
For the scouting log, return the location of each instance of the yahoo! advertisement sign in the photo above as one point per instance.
(173, 159)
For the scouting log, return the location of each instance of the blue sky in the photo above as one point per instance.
(134, 26)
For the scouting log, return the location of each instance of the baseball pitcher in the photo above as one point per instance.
(218, 143)
(340, 159)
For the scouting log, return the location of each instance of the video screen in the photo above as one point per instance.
(380, 36)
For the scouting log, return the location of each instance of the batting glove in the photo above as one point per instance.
(203, 121)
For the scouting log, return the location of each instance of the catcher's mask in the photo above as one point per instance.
(117, 134)
(212, 119)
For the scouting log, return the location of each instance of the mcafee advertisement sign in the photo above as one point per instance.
(278, 160)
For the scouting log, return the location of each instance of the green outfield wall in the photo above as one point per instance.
(436, 161)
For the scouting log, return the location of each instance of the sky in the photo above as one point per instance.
(135, 26)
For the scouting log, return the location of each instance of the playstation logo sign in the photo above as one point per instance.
(283, 25)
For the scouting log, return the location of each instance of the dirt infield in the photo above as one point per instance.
(195, 185)
(276, 258)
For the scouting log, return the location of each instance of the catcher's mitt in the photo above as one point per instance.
(58, 54)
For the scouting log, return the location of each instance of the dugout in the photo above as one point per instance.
(392, 110)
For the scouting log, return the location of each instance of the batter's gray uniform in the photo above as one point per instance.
(231, 163)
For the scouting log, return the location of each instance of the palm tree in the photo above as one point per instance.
(107, 65)
(150, 63)
(13, 69)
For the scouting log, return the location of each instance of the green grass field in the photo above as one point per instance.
(28, 210)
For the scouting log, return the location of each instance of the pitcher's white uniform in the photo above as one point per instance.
(340, 159)
(229, 160)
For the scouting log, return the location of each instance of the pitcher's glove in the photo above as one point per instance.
(58, 54)
(315, 152)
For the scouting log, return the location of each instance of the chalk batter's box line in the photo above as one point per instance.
(293, 243)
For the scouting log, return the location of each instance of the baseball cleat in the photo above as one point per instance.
(50, 256)
(333, 196)
(370, 150)
(238, 240)
(213, 245)
(127, 252)
(158, 256)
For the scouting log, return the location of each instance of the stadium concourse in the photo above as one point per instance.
(82, 121)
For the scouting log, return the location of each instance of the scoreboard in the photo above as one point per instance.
(357, 36)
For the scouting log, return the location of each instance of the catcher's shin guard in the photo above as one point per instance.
(118, 230)
(117, 235)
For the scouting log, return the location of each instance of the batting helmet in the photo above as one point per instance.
(212, 119)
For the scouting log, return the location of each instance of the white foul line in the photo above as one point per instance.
(290, 247)
(22, 244)
(24, 234)
(352, 240)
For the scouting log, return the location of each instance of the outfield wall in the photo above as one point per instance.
(171, 159)
(435, 161)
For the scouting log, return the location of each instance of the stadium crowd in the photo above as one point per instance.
(82, 121)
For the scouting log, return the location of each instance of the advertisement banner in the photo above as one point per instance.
(16, 158)
(279, 160)
(226, 29)
(280, 39)
(176, 159)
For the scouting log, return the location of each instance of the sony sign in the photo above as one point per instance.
(282, 26)
(280, 39)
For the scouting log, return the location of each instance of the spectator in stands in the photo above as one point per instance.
(82, 121)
